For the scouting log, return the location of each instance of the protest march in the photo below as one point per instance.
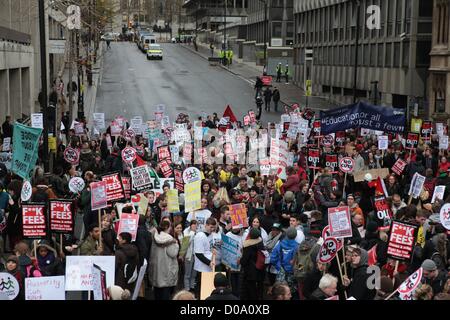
(347, 204)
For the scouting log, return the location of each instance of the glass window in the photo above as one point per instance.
(380, 55)
(276, 29)
(388, 60)
(423, 53)
(373, 55)
(396, 55)
(289, 30)
(405, 58)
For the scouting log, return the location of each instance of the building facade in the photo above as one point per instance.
(393, 58)
(439, 82)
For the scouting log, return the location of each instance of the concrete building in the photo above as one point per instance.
(20, 71)
(129, 13)
(439, 84)
(396, 55)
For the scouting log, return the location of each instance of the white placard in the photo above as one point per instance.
(438, 193)
(37, 120)
(79, 271)
(6, 144)
(445, 216)
(440, 129)
(9, 289)
(136, 124)
(142, 271)
(443, 142)
(99, 120)
(383, 142)
(45, 288)
(416, 185)
(27, 191)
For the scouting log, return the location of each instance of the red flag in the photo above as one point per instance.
(139, 160)
(229, 113)
(380, 187)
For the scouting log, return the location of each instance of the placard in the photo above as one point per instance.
(98, 195)
(140, 201)
(326, 235)
(45, 288)
(238, 215)
(79, 271)
(444, 216)
(412, 140)
(72, 155)
(416, 186)
(384, 213)
(426, 130)
(34, 220)
(99, 120)
(383, 142)
(61, 216)
(6, 144)
(128, 134)
(179, 183)
(128, 155)
(313, 158)
(401, 240)
(192, 196)
(126, 183)
(346, 164)
(443, 142)
(136, 125)
(230, 250)
(328, 250)
(76, 185)
(331, 161)
(141, 178)
(26, 192)
(438, 193)
(173, 204)
(166, 169)
(399, 166)
(128, 223)
(382, 173)
(340, 222)
(408, 287)
(37, 120)
(114, 188)
(141, 275)
(191, 174)
(10, 287)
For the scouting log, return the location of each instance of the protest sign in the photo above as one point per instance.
(76, 185)
(328, 250)
(164, 153)
(246, 120)
(61, 216)
(340, 222)
(172, 201)
(98, 195)
(382, 173)
(10, 288)
(416, 186)
(140, 201)
(25, 155)
(412, 141)
(72, 155)
(416, 124)
(141, 275)
(157, 185)
(6, 144)
(34, 221)
(128, 155)
(230, 252)
(26, 192)
(426, 130)
(443, 142)
(99, 283)
(45, 288)
(116, 128)
(179, 183)
(364, 115)
(331, 161)
(99, 120)
(126, 183)
(346, 164)
(328, 140)
(128, 223)
(399, 166)
(384, 213)
(401, 240)
(37, 120)
(326, 235)
(438, 193)
(128, 134)
(141, 178)
(441, 129)
(238, 215)
(175, 154)
(114, 188)
(6, 159)
(136, 125)
(166, 169)
(79, 271)
(445, 216)
(383, 142)
(192, 196)
(407, 288)
(313, 158)
(191, 174)
(78, 128)
(340, 138)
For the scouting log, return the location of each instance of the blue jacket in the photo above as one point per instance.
(283, 254)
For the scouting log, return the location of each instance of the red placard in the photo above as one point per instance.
(61, 216)
(316, 131)
(339, 222)
(114, 187)
(339, 138)
(384, 213)
(401, 240)
(187, 153)
(331, 160)
(346, 164)
(126, 182)
(252, 116)
(129, 155)
(128, 223)
(326, 235)
(34, 220)
(328, 250)
(246, 120)
(179, 184)
(98, 195)
(328, 140)
(165, 169)
(399, 166)
(266, 80)
(426, 130)
(412, 140)
(313, 158)
(163, 153)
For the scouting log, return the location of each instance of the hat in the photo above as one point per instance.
(368, 177)
(220, 280)
(291, 233)
(254, 233)
(276, 225)
(429, 265)
(13, 258)
(372, 227)
(289, 196)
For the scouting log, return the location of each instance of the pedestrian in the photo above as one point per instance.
(12, 267)
(258, 87)
(356, 281)
(276, 98)
(211, 47)
(7, 128)
(281, 291)
(91, 245)
(187, 253)
(286, 73)
(127, 262)
(327, 288)
(279, 72)
(259, 103)
(267, 98)
(48, 261)
(108, 44)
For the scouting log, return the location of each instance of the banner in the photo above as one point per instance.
(173, 204)
(98, 195)
(45, 288)
(79, 271)
(25, 153)
(114, 188)
(192, 196)
(331, 161)
(61, 216)
(230, 252)
(179, 184)
(34, 221)
(363, 115)
(416, 186)
(399, 166)
(401, 240)
(238, 215)
(340, 222)
(313, 158)
(128, 223)
(141, 179)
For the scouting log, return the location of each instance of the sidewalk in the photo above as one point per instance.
(248, 71)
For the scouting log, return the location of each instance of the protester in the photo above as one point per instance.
(281, 291)
(327, 288)
(222, 289)
(127, 262)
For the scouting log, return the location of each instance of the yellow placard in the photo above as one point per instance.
(52, 144)
(416, 124)
(172, 201)
(192, 196)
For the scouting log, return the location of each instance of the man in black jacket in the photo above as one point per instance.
(222, 289)
(357, 286)
(7, 128)
(143, 241)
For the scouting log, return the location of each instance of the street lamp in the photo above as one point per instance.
(265, 30)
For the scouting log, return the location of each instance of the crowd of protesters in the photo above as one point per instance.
(286, 217)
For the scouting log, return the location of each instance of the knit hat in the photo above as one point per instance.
(289, 196)
(13, 258)
(372, 227)
(429, 265)
(291, 233)
(220, 280)
(254, 233)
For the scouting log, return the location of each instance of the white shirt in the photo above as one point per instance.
(300, 236)
(217, 244)
(202, 244)
(201, 216)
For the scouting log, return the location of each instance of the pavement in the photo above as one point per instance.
(290, 93)
(183, 81)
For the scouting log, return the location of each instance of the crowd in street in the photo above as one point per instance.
(287, 213)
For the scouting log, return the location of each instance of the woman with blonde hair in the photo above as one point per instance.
(424, 292)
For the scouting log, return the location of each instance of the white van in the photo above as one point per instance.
(147, 40)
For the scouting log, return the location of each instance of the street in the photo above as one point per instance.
(183, 81)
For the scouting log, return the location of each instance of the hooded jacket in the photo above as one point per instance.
(163, 260)
(358, 275)
(283, 254)
(126, 254)
(49, 265)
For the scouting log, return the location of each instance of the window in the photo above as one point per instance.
(423, 53)
(425, 8)
(373, 55)
(276, 29)
(366, 55)
(380, 55)
(388, 60)
(396, 55)
(289, 30)
(439, 86)
(405, 57)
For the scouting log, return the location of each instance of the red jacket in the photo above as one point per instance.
(292, 184)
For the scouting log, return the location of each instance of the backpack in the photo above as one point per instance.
(303, 261)
(260, 263)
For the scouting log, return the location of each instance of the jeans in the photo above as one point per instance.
(276, 105)
(190, 275)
